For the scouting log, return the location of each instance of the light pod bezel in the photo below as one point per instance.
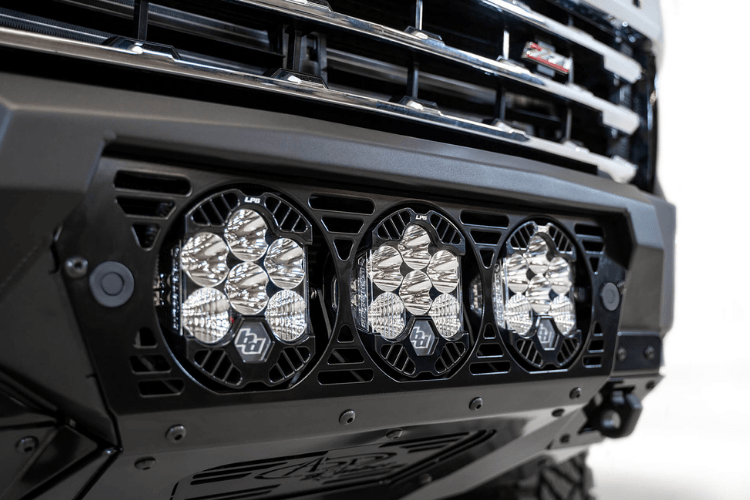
(260, 369)
(388, 233)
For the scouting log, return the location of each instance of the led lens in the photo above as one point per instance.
(246, 288)
(564, 314)
(205, 315)
(538, 294)
(246, 235)
(517, 273)
(415, 292)
(386, 315)
(518, 314)
(385, 268)
(443, 271)
(536, 255)
(444, 313)
(498, 297)
(559, 276)
(285, 263)
(286, 315)
(414, 247)
(475, 296)
(204, 259)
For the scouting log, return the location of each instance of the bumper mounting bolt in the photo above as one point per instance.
(347, 417)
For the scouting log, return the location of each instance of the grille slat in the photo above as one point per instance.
(477, 77)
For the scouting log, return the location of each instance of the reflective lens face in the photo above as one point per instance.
(402, 282)
(563, 313)
(445, 314)
(533, 286)
(246, 235)
(536, 255)
(386, 315)
(286, 315)
(443, 271)
(414, 247)
(516, 273)
(285, 263)
(559, 276)
(205, 315)
(415, 292)
(518, 314)
(385, 268)
(204, 259)
(246, 288)
(538, 294)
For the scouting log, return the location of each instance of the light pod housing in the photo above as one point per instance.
(406, 293)
(534, 295)
(240, 288)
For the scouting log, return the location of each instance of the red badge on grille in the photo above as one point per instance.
(547, 57)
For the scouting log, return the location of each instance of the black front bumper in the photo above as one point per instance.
(54, 136)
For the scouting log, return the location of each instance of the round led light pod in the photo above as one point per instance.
(415, 292)
(414, 247)
(204, 259)
(205, 315)
(246, 235)
(443, 271)
(246, 288)
(285, 263)
(445, 314)
(385, 268)
(286, 314)
(386, 315)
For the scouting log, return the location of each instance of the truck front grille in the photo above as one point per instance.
(457, 66)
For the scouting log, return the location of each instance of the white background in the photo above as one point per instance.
(693, 439)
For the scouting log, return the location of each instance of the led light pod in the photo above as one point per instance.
(533, 294)
(406, 293)
(240, 288)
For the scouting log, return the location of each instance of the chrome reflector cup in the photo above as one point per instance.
(406, 293)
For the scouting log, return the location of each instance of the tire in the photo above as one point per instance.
(569, 480)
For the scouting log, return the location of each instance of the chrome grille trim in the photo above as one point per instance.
(613, 115)
(141, 58)
(614, 61)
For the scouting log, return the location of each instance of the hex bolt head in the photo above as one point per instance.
(27, 444)
(76, 267)
(649, 353)
(576, 393)
(176, 433)
(621, 354)
(394, 434)
(476, 404)
(145, 463)
(347, 417)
